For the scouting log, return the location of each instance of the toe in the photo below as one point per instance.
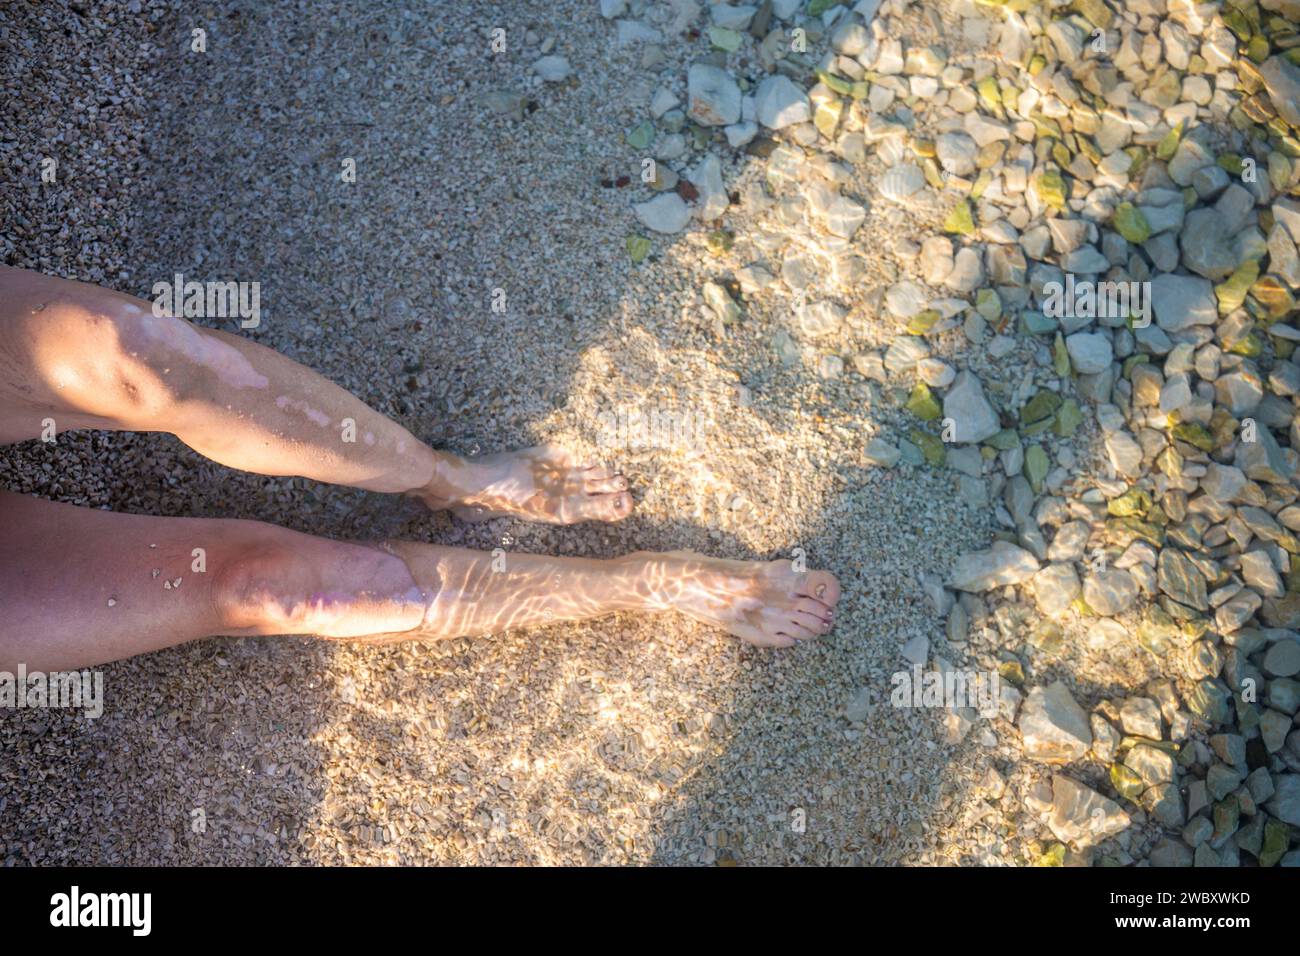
(604, 507)
(820, 586)
(814, 624)
(814, 608)
(795, 632)
(603, 486)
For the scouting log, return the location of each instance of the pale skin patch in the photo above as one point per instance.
(232, 369)
(285, 403)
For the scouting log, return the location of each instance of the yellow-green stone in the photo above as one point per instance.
(959, 220)
(1131, 224)
(923, 404)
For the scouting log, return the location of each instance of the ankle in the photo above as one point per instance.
(451, 483)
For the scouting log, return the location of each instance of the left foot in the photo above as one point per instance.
(536, 484)
(765, 603)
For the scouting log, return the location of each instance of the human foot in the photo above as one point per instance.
(765, 603)
(543, 484)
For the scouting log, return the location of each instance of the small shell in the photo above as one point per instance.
(901, 181)
(822, 318)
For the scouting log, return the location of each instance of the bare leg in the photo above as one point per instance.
(86, 357)
(80, 587)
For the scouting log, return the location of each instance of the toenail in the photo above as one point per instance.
(821, 589)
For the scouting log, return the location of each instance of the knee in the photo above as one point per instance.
(285, 583)
(259, 589)
(97, 359)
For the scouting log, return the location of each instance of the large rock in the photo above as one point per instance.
(1262, 459)
(712, 200)
(1223, 482)
(1085, 260)
(1240, 391)
(1206, 244)
(1283, 659)
(1288, 8)
(1090, 352)
(1165, 803)
(967, 273)
(1125, 453)
(1285, 804)
(866, 9)
(1140, 716)
(780, 103)
(1183, 301)
(1153, 764)
(1053, 728)
(713, 98)
(1257, 568)
(1082, 816)
(1284, 259)
(850, 38)
(665, 213)
(1055, 588)
(1110, 592)
(956, 153)
(974, 419)
(1181, 579)
(1282, 78)
(936, 259)
(1002, 564)
(1286, 212)
(1187, 159)
(733, 17)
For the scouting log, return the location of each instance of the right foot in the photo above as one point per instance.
(765, 603)
(536, 484)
